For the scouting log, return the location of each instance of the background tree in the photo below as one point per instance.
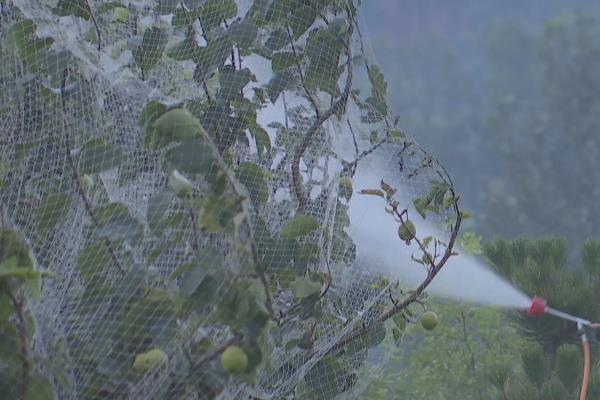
(510, 83)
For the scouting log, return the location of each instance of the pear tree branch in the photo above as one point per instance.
(76, 176)
(340, 104)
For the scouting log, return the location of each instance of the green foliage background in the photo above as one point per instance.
(507, 94)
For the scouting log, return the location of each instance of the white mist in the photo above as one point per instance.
(379, 248)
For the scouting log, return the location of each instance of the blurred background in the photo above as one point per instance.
(505, 94)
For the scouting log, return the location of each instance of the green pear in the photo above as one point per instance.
(234, 359)
(429, 320)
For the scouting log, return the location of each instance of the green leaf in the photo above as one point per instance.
(121, 14)
(323, 48)
(379, 86)
(150, 113)
(14, 250)
(95, 293)
(376, 110)
(321, 381)
(282, 60)
(51, 211)
(20, 33)
(471, 243)
(255, 179)
(421, 207)
(93, 260)
(276, 254)
(31, 49)
(185, 50)
(165, 7)
(191, 157)
(263, 141)
(110, 211)
(278, 39)
(157, 208)
(395, 134)
(373, 192)
(77, 8)
(281, 81)
(298, 226)
(193, 274)
(217, 213)
(303, 287)
(97, 156)
(33, 283)
(447, 200)
(303, 18)
(232, 81)
(212, 56)
(150, 320)
(149, 53)
(116, 223)
(213, 12)
(243, 33)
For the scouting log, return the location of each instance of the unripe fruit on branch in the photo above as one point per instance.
(173, 126)
(407, 230)
(144, 362)
(234, 359)
(429, 320)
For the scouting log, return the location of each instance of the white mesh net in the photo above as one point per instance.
(187, 177)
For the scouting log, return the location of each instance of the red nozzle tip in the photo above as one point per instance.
(538, 307)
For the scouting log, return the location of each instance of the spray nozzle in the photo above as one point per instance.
(538, 307)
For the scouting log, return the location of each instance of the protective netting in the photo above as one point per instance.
(187, 177)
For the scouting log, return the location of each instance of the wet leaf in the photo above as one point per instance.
(51, 211)
(98, 156)
(298, 226)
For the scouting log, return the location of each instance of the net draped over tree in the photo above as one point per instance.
(176, 180)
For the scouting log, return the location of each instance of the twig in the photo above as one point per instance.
(285, 110)
(311, 99)
(428, 162)
(232, 49)
(23, 328)
(239, 55)
(338, 105)
(75, 173)
(95, 24)
(195, 235)
(353, 137)
(198, 67)
(365, 153)
(329, 280)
